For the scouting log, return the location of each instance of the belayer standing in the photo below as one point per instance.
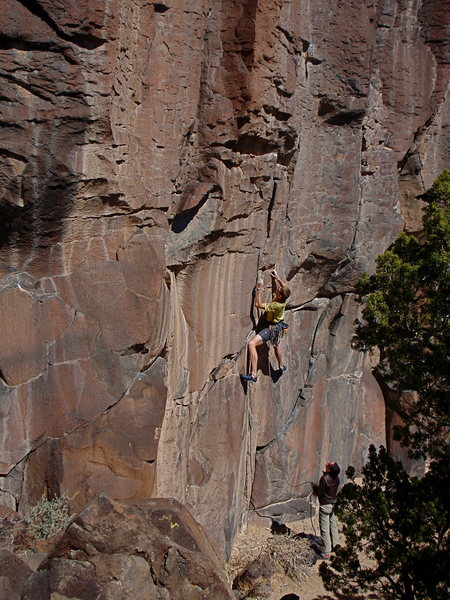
(326, 491)
(274, 316)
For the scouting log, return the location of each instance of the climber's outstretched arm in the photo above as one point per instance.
(258, 300)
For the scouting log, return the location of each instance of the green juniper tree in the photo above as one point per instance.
(398, 523)
(396, 533)
(407, 317)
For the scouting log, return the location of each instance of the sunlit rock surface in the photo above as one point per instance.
(155, 159)
(147, 550)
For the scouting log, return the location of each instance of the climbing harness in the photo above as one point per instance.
(276, 332)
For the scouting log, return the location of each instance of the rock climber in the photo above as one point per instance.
(274, 317)
(326, 492)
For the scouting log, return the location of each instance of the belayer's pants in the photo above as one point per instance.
(328, 527)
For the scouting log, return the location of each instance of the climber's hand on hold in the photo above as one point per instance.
(277, 278)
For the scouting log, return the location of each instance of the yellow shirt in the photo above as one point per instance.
(275, 311)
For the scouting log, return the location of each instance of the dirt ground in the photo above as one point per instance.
(306, 583)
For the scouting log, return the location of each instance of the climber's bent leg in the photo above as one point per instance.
(281, 368)
(278, 356)
(252, 345)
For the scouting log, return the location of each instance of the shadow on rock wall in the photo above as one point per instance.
(45, 117)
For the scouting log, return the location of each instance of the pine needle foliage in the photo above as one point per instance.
(396, 531)
(397, 527)
(407, 317)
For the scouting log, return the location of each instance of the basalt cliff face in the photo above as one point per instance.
(156, 158)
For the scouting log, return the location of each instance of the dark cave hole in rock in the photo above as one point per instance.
(346, 117)
(160, 8)
(251, 144)
(181, 221)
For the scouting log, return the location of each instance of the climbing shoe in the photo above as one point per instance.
(325, 556)
(282, 370)
(249, 377)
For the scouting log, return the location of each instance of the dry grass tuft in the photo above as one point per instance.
(292, 555)
(258, 557)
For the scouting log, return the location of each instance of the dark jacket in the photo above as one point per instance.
(327, 489)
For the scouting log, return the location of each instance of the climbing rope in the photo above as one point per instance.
(291, 485)
(277, 332)
(255, 510)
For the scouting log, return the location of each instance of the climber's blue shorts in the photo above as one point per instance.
(274, 333)
(265, 334)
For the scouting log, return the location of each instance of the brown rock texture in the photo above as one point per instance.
(155, 159)
(13, 575)
(111, 550)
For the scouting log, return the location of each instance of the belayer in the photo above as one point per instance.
(326, 491)
(276, 327)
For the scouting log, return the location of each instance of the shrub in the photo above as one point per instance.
(48, 517)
